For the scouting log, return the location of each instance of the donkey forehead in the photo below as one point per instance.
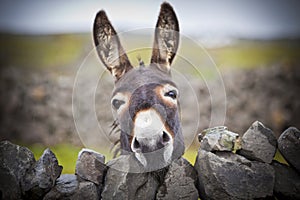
(141, 76)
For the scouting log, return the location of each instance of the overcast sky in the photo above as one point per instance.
(239, 18)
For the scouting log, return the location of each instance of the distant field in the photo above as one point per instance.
(67, 50)
(41, 51)
(250, 54)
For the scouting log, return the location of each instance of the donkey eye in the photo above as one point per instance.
(172, 94)
(117, 103)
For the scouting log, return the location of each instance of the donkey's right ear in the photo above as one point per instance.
(166, 38)
(109, 47)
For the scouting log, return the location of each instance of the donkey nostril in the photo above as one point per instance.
(136, 144)
(165, 137)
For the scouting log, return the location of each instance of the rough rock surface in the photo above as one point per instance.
(225, 175)
(9, 185)
(287, 182)
(258, 143)
(125, 180)
(179, 182)
(90, 166)
(87, 190)
(42, 176)
(289, 146)
(68, 187)
(14, 162)
(219, 139)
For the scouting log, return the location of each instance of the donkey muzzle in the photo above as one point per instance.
(151, 138)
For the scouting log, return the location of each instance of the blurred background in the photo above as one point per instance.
(255, 46)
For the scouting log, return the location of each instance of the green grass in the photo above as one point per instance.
(41, 51)
(191, 154)
(280, 158)
(251, 54)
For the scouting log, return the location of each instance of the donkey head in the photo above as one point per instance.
(145, 99)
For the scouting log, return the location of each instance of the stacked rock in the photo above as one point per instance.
(227, 167)
(233, 167)
(125, 179)
(21, 177)
(287, 178)
(87, 183)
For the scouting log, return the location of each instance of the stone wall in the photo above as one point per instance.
(227, 167)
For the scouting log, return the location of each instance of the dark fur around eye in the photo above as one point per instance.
(172, 94)
(117, 103)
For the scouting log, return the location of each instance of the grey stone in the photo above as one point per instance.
(219, 139)
(226, 175)
(9, 185)
(179, 182)
(289, 146)
(258, 143)
(90, 166)
(69, 188)
(42, 176)
(287, 182)
(87, 190)
(14, 162)
(125, 180)
(65, 186)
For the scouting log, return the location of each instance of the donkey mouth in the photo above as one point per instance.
(148, 145)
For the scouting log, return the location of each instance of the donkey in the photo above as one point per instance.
(144, 99)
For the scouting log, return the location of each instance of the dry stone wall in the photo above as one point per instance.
(227, 167)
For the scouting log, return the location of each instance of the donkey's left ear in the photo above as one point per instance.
(166, 38)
